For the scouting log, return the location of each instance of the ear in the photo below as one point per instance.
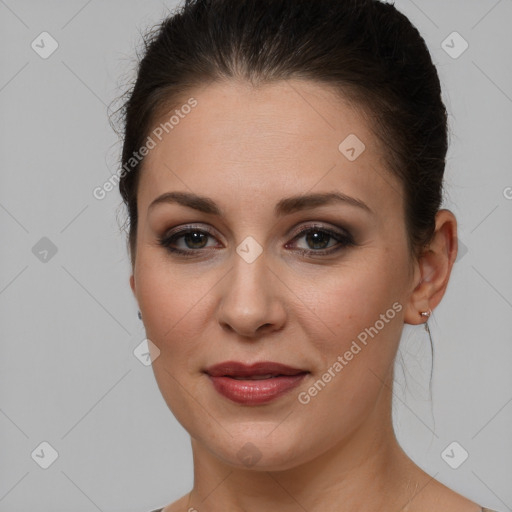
(433, 269)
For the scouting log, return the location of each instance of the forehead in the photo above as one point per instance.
(276, 140)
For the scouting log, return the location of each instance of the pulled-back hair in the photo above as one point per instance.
(365, 49)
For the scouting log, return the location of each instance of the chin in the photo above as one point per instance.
(258, 451)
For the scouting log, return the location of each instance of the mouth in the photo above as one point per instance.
(254, 384)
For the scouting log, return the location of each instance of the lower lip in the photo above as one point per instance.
(255, 392)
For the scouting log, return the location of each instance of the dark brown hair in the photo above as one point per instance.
(365, 49)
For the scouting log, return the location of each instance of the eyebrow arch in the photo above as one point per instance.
(304, 202)
(283, 207)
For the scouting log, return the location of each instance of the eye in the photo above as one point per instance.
(191, 239)
(320, 240)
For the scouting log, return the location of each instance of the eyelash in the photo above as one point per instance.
(344, 241)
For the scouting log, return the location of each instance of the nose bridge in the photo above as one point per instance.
(249, 298)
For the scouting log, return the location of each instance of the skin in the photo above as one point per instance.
(246, 149)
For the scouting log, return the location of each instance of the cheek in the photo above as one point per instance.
(359, 313)
(348, 301)
(172, 301)
(364, 316)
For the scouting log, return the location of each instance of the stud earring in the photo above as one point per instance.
(139, 315)
(427, 315)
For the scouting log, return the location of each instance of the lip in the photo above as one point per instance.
(239, 382)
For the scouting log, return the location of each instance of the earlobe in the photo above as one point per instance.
(433, 269)
(132, 285)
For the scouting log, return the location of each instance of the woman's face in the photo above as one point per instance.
(250, 287)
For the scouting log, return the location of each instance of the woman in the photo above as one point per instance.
(282, 169)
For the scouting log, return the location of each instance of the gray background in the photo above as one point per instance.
(68, 375)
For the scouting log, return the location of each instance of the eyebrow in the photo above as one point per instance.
(283, 207)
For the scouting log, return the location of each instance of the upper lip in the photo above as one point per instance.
(238, 369)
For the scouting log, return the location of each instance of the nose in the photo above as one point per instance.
(251, 304)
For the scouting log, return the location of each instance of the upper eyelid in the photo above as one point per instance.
(320, 227)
